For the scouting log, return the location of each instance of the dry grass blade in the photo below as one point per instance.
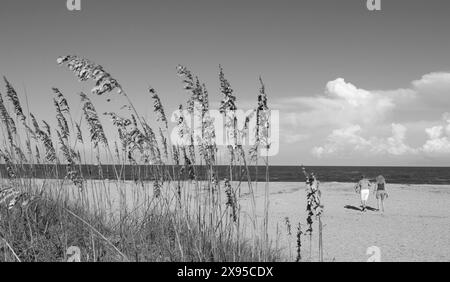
(11, 249)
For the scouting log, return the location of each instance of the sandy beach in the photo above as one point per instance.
(414, 227)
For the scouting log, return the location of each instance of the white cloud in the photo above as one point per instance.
(342, 104)
(438, 139)
(350, 139)
(434, 132)
(433, 92)
(434, 80)
(394, 145)
(341, 139)
(446, 118)
(355, 120)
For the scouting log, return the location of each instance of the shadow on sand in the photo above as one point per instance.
(349, 207)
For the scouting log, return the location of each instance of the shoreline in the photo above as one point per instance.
(281, 174)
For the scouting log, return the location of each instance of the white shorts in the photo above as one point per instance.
(365, 194)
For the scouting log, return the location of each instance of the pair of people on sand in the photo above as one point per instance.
(363, 188)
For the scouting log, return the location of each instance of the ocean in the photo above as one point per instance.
(401, 175)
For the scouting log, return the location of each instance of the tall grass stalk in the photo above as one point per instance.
(170, 212)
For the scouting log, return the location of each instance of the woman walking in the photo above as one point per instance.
(380, 192)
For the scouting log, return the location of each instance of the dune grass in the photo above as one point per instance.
(174, 217)
(44, 231)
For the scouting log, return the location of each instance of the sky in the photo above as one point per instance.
(353, 86)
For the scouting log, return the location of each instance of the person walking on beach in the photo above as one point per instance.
(363, 188)
(380, 191)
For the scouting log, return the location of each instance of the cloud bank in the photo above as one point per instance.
(346, 119)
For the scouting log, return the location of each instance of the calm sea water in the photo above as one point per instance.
(403, 175)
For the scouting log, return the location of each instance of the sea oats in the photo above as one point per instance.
(79, 134)
(61, 101)
(95, 127)
(158, 108)
(85, 70)
(62, 121)
(7, 121)
(14, 98)
(231, 199)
